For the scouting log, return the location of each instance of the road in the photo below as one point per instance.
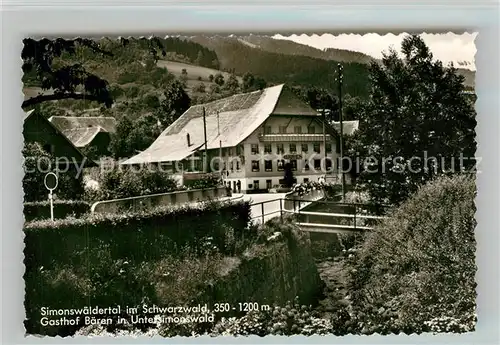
(272, 206)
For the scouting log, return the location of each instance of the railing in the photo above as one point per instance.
(354, 213)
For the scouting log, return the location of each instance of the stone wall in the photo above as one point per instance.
(273, 272)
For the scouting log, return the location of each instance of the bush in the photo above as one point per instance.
(62, 209)
(418, 266)
(291, 319)
(36, 163)
(209, 181)
(125, 182)
(124, 258)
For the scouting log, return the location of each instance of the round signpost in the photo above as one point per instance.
(50, 181)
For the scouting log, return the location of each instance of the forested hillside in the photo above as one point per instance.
(296, 70)
(295, 63)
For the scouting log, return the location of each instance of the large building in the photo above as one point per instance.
(249, 139)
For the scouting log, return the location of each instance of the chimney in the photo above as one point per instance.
(188, 139)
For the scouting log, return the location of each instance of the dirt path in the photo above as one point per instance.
(333, 274)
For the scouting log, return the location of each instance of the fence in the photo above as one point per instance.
(361, 216)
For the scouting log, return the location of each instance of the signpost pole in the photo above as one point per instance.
(51, 199)
(51, 185)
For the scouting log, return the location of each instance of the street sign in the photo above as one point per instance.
(50, 181)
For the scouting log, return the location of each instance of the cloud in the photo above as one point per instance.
(449, 47)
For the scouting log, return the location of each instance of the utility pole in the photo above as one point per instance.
(341, 165)
(324, 136)
(220, 146)
(205, 135)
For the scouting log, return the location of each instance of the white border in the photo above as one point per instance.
(98, 18)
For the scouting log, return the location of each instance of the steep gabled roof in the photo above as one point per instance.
(82, 130)
(32, 114)
(229, 121)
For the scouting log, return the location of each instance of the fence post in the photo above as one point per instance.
(262, 208)
(281, 210)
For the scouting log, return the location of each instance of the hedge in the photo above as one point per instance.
(140, 236)
(62, 209)
(70, 262)
(416, 272)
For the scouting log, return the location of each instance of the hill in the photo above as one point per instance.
(292, 48)
(238, 55)
(233, 52)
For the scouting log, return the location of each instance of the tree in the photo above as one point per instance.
(176, 102)
(37, 162)
(219, 79)
(415, 125)
(69, 81)
(248, 81)
(200, 88)
(232, 84)
(119, 146)
(199, 58)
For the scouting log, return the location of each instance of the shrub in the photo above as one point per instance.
(62, 209)
(291, 319)
(125, 182)
(128, 258)
(37, 162)
(209, 181)
(418, 266)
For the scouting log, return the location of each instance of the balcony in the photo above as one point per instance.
(292, 137)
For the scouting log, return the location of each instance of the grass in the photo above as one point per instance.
(193, 71)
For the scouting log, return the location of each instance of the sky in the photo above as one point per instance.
(457, 48)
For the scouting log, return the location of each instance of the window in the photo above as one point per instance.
(255, 149)
(267, 148)
(223, 152)
(282, 129)
(293, 162)
(239, 149)
(269, 184)
(306, 180)
(256, 184)
(316, 148)
(230, 151)
(250, 186)
(280, 148)
(281, 165)
(317, 164)
(293, 148)
(328, 147)
(328, 164)
(255, 165)
(237, 165)
(305, 147)
(306, 165)
(311, 130)
(232, 166)
(268, 165)
(297, 130)
(267, 130)
(216, 166)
